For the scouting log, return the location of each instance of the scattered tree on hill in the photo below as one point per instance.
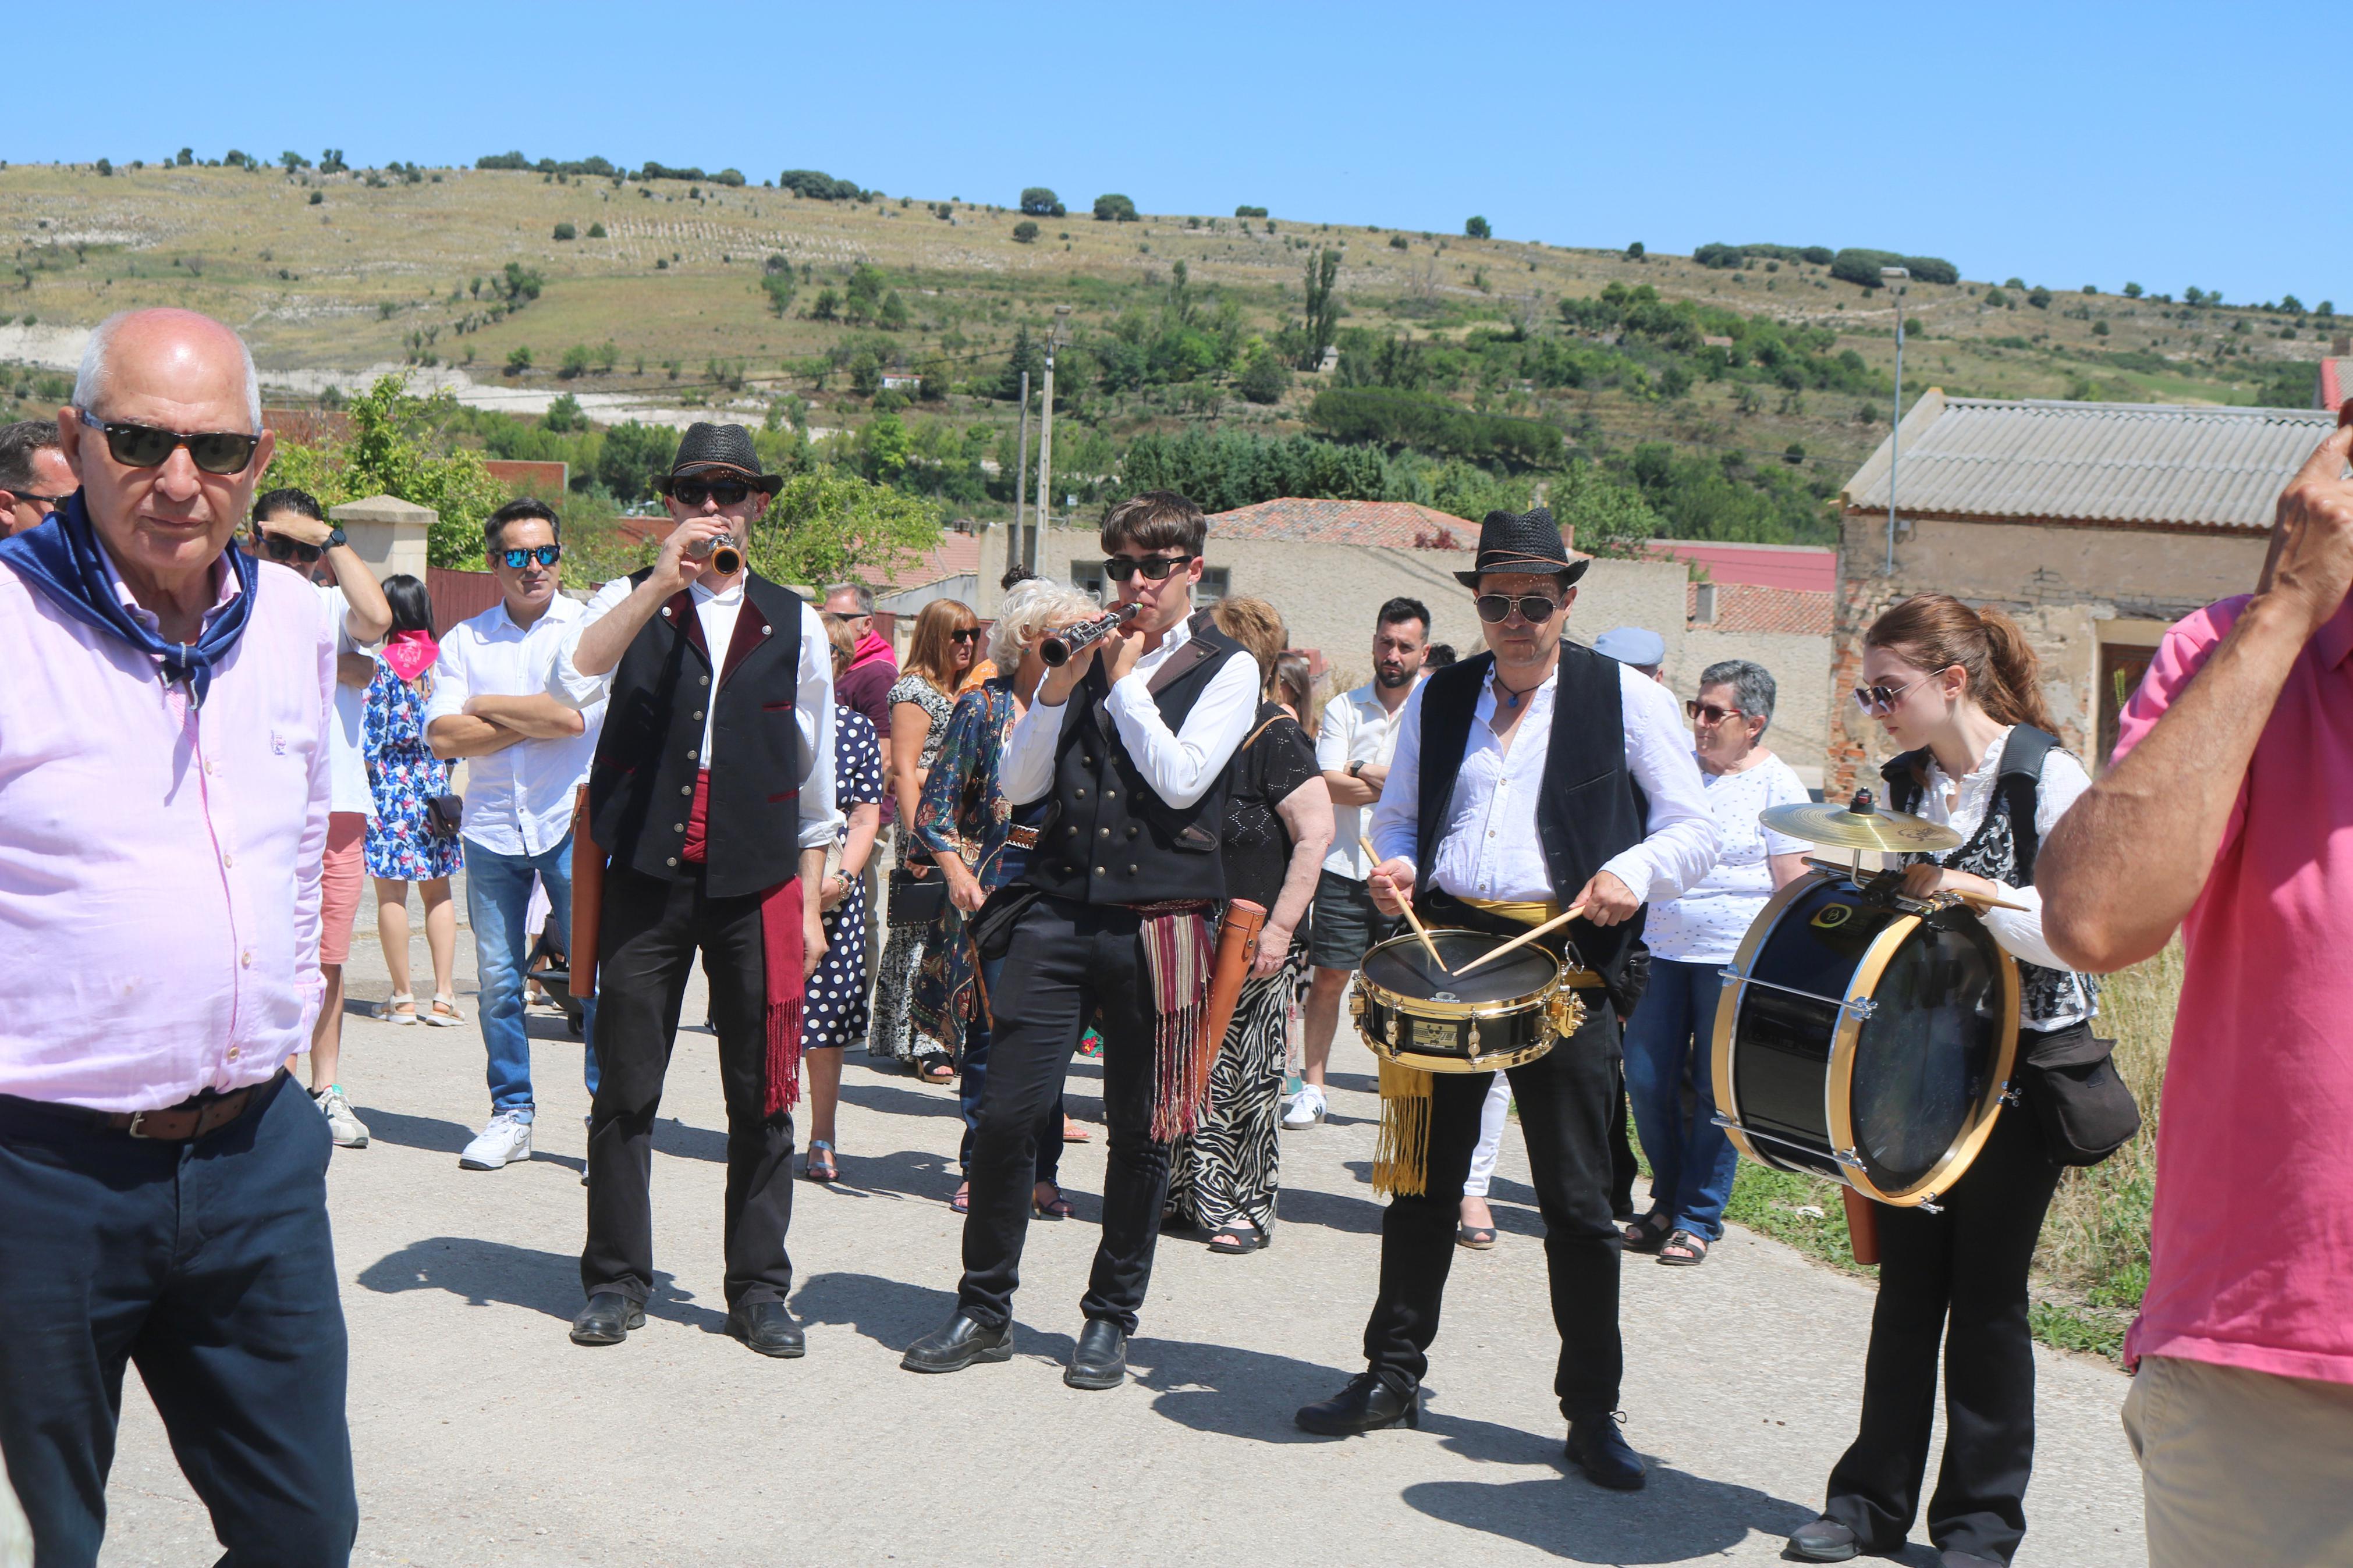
(2132, 291)
(1037, 201)
(892, 315)
(1996, 300)
(863, 296)
(596, 231)
(518, 359)
(1397, 242)
(819, 186)
(1860, 268)
(1025, 232)
(728, 177)
(2040, 299)
(187, 156)
(317, 197)
(827, 308)
(565, 231)
(517, 285)
(1402, 419)
(399, 446)
(1323, 324)
(1028, 354)
(1719, 258)
(1265, 378)
(1250, 212)
(563, 416)
(653, 170)
(1479, 228)
(1114, 208)
(777, 282)
(576, 360)
(1634, 252)
(330, 162)
(105, 168)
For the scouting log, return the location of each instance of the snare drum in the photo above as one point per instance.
(1507, 1012)
(1866, 1038)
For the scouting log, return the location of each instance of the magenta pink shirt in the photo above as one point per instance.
(158, 864)
(2251, 1243)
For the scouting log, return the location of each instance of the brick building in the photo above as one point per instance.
(2096, 525)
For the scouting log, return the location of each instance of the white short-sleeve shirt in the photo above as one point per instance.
(1705, 925)
(347, 764)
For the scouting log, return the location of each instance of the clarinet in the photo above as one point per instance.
(724, 558)
(1057, 648)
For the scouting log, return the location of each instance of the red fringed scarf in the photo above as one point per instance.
(1177, 956)
(781, 950)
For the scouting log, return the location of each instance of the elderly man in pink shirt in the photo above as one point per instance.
(163, 798)
(2229, 813)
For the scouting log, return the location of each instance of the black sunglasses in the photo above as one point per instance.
(1155, 568)
(1534, 608)
(547, 555)
(282, 548)
(1710, 712)
(147, 447)
(970, 634)
(726, 493)
(47, 503)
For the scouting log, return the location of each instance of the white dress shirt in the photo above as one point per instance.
(1491, 849)
(348, 760)
(518, 800)
(1356, 729)
(1180, 764)
(717, 614)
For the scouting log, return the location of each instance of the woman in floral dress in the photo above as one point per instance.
(404, 845)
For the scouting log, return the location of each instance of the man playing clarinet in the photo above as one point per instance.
(1538, 733)
(1130, 739)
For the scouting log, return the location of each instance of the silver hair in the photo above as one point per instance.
(89, 382)
(1029, 607)
(1752, 687)
(865, 594)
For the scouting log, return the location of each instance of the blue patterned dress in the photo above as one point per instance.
(964, 812)
(403, 774)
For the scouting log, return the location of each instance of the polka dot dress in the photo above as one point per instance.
(835, 1012)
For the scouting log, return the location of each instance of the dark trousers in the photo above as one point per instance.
(972, 1084)
(1067, 960)
(1958, 1276)
(1623, 1170)
(209, 1266)
(1566, 1104)
(651, 931)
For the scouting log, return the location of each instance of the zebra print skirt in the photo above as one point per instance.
(1227, 1170)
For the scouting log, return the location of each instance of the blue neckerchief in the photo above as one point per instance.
(60, 558)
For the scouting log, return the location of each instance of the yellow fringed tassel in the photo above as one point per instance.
(1401, 1156)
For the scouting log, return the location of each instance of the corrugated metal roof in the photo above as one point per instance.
(2119, 464)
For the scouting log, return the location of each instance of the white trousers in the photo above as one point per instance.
(1491, 1137)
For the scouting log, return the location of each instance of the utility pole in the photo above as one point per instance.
(1896, 277)
(1013, 550)
(1046, 437)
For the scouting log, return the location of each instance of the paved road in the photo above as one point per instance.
(484, 1435)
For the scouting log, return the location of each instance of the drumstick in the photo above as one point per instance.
(1406, 904)
(1524, 938)
(1973, 899)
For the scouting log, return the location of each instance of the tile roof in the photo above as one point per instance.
(2118, 464)
(1390, 524)
(1811, 568)
(1754, 607)
(2336, 382)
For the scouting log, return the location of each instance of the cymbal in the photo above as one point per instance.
(1859, 826)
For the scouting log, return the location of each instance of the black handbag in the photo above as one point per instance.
(916, 899)
(2087, 1109)
(446, 814)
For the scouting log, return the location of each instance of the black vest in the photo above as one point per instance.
(642, 785)
(1589, 807)
(1109, 840)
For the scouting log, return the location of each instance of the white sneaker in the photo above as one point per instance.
(505, 1140)
(348, 1131)
(1307, 1109)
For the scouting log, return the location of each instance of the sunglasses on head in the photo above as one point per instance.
(149, 446)
(1534, 608)
(1155, 568)
(726, 493)
(1882, 697)
(1709, 714)
(280, 548)
(545, 554)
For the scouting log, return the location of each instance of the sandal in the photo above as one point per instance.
(445, 1014)
(936, 1069)
(1237, 1236)
(820, 1166)
(1056, 1207)
(1693, 1251)
(1477, 1238)
(1649, 1232)
(1075, 1131)
(962, 1202)
(399, 1008)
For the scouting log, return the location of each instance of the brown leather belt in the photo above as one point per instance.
(206, 1112)
(1582, 980)
(1022, 838)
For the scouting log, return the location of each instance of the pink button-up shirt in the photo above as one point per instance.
(2251, 1243)
(158, 864)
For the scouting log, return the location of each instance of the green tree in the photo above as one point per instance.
(863, 296)
(826, 523)
(892, 316)
(565, 231)
(1025, 232)
(564, 417)
(630, 455)
(596, 231)
(1114, 208)
(399, 446)
(576, 360)
(1479, 228)
(1039, 202)
(518, 359)
(1265, 379)
(330, 162)
(293, 161)
(2040, 299)
(1323, 325)
(609, 355)
(827, 307)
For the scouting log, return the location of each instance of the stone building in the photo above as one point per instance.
(2096, 525)
(1770, 603)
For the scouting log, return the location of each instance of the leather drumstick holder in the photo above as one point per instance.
(1237, 946)
(587, 897)
(1861, 1226)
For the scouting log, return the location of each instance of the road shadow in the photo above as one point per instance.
(1680, 1516)
(485, 1273)
(895, 1314)
(428, 1132)
(1330, 1211)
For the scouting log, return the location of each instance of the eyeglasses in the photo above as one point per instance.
(1155, 568)
(47, 503)
(970, 634)
(282, 548)
(1882, 697)
(726, 493)
(1709, 714)
(149, 446)
(547, 555)
(1534, 608)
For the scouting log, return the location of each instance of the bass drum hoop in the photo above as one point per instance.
(1838, 1080)
(1551, 999)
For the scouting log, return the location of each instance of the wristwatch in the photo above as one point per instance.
(335, 539)
(1355, 770)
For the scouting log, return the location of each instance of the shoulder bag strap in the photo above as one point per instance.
(2020, 782)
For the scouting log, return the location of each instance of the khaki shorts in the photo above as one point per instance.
(2241, 1469)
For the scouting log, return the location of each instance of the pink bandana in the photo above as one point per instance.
(411, 654)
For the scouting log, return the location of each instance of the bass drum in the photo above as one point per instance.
(1865, 1039)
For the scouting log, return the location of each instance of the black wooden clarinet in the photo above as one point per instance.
(1057, 648)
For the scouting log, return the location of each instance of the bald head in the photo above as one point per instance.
(185, 346)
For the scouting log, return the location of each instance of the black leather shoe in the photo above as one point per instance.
(955, 1345)
(1101, 1360)
(768, 1327)
(1969, 1560)
(1823, 1540)
(1600, 1450)
(608, 1319)
(1367, 1404)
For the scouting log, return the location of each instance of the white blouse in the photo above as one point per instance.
(1705, 925)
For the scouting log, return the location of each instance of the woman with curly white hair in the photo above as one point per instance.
(982, 841)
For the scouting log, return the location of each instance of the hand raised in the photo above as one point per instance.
(678, 563)
(2311, 561)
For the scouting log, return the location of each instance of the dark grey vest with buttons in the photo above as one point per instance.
(1109, 840)
(642, 782)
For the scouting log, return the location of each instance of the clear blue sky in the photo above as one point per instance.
(2159, 143)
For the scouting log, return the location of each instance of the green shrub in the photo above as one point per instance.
(1114, 208)
(1478, 229)
(565, 231)
(1025, 232)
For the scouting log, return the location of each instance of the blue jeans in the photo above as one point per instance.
(498, 899)
(1692, 1162)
